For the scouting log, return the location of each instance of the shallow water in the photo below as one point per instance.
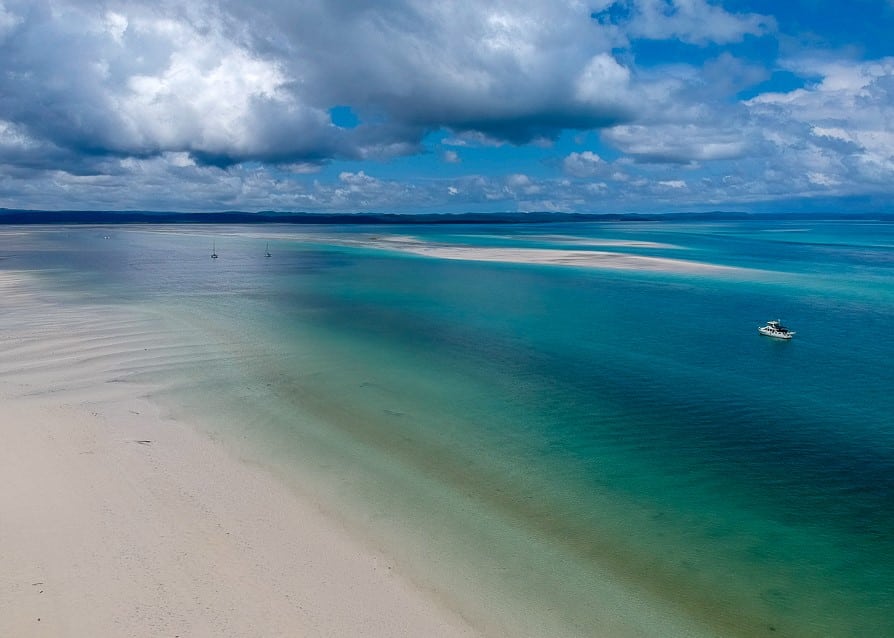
(536, 431)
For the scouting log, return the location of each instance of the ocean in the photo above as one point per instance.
(580, 446)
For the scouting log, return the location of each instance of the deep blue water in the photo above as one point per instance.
(636, 421)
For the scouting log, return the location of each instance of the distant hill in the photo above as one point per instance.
(21, 216)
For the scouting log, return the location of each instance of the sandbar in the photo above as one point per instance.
(550, 256)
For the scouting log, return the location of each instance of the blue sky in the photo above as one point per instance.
(415, 106)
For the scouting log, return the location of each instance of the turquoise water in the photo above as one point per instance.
(532, 431)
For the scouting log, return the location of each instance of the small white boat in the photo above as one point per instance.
(213, 251)
(776, 329)
(267, 250)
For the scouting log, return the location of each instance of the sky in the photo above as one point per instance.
(600, 106)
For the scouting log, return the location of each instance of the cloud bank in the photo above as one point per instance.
(413, 105)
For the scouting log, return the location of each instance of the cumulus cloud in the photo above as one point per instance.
(694, 21)
(603, 82)
(229, 81)
(145, 80)
(840, 125)
(226, 104)
(678, 143)
(585, 164)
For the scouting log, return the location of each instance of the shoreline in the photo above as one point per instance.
(516, 481)
(121, 521)
(151, 516)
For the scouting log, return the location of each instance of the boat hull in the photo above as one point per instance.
(775, 334)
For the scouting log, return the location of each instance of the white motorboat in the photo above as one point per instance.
(776, 329)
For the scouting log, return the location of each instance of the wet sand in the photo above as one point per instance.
(119, 521)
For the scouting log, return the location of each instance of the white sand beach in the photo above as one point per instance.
(116, 520)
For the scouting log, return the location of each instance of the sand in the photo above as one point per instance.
(551, 256)
(116, 520)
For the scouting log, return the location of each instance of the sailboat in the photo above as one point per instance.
(213, 251)
(267, 250)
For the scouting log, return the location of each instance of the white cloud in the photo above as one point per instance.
(603, 82)
(693, 21)
(472, 138)
(357, 180)
(585, 164)
(520, 186)
(302, 168)
(679, 143)
(116, 25)
(231, 81)
(179, 159)
(822, 179)
(229, 102)
(204, 99)
(842, 120)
